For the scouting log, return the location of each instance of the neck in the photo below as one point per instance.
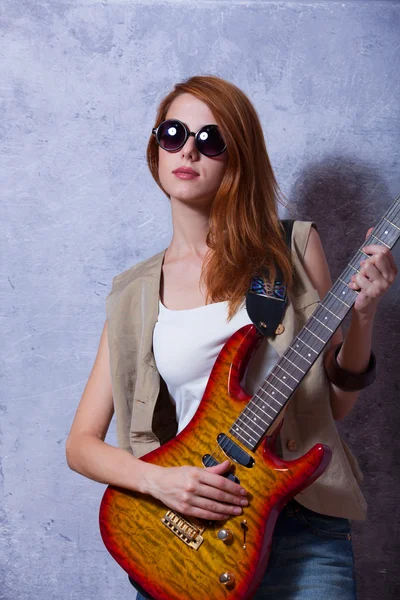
(190, 228)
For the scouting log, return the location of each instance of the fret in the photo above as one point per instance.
(387, 231)
(323, 324)
(391, 223)
(332, 313)
(272, 397)
(345, 293)
(320, 339)
(320, 330)
(346, 284)
(247, 426)
(323, 316)
(264, 391)
(271, 407)
(360, 258)
(253, 405)
(277, 390)
(345, 277)
(339, 299)
(254, 419)
(262, 399)
(290, 375)
(245, 441)
(393, 214)
(335, 305)
(264, 411)
(301, 356)
(292, 363)
(311, 340)
(298, 359)
(379, 240)
(305, 343)
(276, 377)
(351, 266)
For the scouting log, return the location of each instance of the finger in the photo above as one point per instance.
(220, 495)
(385, 258)
(371, 289)
(216, 508)
(373, 249)
(376, 267)
(222, 483)
(220, 468)
(370, 230)
(201, 513)
(386, 264)
(369, 270)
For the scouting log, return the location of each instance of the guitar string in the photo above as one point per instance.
(391, 215)
(319, 329)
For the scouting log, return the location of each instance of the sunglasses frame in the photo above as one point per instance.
(187, 136)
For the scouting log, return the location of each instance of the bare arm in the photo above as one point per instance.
(355, 352)
(190, 490)
(86, 451)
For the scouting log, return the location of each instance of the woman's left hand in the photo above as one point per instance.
(376, 275)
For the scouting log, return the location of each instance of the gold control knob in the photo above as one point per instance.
(227, 579)
(225, 535)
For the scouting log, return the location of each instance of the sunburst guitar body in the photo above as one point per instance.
(174, 557)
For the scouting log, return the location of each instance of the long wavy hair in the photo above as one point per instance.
(245, 234)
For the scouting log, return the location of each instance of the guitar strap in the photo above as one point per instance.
(265, 304)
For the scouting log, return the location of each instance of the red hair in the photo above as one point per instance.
(245, 234)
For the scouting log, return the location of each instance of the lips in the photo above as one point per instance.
(186, 170)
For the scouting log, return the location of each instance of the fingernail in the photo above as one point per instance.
(237, 510)
(243, 492)
(244, 502)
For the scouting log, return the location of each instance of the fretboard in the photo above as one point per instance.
(280, 384)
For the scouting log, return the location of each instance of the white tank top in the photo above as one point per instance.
(186, 344)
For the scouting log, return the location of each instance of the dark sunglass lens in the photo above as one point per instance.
(171, 135)
(210, 141)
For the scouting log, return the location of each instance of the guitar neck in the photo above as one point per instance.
(281, 383)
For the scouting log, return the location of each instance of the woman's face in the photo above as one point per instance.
(201, 190)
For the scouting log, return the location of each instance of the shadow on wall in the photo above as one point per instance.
(344, 198)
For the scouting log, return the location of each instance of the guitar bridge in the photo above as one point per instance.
(187, 532)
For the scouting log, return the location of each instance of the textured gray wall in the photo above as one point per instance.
(79, 86)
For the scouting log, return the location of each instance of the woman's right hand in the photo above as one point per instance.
(197, 492)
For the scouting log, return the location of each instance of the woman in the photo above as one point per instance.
(171, 315)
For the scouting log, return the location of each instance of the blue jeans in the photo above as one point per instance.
(311, 558)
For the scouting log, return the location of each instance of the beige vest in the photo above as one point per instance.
(145, 417)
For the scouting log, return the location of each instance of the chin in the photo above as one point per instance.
(192, 199)
(188, 194)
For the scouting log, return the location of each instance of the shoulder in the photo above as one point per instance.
(302, 232)
(146, 269)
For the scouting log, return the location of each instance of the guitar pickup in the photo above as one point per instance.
(209, 461)
(234, 452)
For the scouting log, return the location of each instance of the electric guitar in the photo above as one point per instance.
(174, 557)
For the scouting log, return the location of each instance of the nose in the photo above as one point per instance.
(189, 149)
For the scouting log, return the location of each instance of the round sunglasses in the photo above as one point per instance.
(172, 135)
